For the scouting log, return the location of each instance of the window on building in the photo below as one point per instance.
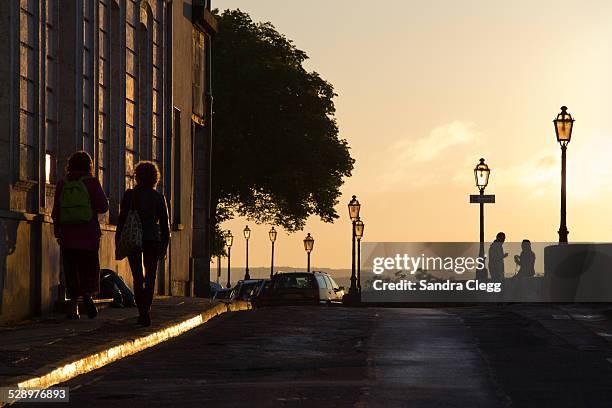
(177, 162)
(50, 95)
(48, 168)
(104, 110)
(89, 77)
(145, 83)
(28, 133)
(199, 62)
(115, 164)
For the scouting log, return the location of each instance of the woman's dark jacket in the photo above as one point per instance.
(153, 212)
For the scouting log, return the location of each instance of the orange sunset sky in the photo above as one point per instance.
(428, 87)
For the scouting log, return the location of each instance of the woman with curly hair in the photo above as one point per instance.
(153, 212)
(79, 199)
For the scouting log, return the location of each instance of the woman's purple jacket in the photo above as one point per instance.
(84, 236)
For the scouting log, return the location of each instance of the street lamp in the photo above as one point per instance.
(247, 235)
(481, 175)
(353, 207)
(308, 245)
(229, 240)
(272, 235)
(359, 226)
(563, 129)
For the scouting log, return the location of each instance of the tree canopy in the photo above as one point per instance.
(277, 155)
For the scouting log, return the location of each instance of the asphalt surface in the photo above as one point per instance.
(337, 357)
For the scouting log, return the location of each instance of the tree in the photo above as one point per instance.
(277, 156)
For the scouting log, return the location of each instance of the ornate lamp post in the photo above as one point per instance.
(229, 240)
(563, 129)
(353, 207)
(481, 174)
(359, 226)
(247, 235)
(308, 245)
(272, 235)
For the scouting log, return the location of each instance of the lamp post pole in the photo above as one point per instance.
(481, 250)
(563, 232)
(272, 262)
(247, 235)
(359, 264)
(359, 227)
(229, 267)
(564, 124)
(246, 272)
(353, 288)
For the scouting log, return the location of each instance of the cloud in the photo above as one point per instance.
(439, 139)
(431, 159)
(538, 174)
(588, 171)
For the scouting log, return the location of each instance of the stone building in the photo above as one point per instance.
(125, 80)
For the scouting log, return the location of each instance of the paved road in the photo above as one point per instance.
(306, 356)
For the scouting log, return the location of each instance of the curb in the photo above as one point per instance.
(67, 370)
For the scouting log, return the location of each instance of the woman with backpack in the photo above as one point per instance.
(79, 199)
(144, 217)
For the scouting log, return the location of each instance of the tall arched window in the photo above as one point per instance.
(89, 79)
(117, 109)
(104, 94)
(145, 79)
(131, 94)
(51, 90)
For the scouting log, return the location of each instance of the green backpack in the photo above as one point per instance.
(75, 205)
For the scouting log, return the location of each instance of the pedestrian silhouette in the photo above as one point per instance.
(496, 257)
(525, 261)
(153, 213)
(79, 199)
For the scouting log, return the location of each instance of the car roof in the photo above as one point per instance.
(247, 281)
(292, 273)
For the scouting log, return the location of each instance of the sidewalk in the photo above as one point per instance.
(45, 351)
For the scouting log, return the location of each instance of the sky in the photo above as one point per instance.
(428, 87)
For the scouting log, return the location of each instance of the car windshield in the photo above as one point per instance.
(223, 294)
(247, 289)
(321, 282)
(293, 282)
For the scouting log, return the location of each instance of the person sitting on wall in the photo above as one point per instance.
(79, 199)
(525, 261)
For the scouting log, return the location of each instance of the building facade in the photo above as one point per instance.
(125, 80)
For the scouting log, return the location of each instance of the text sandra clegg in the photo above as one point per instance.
(414, 263)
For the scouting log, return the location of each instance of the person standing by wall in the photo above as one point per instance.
(153, 213)
(496, 257)
(79, 199)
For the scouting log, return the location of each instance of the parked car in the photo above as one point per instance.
(302, 288)
(247, 289)
(215, 286)
(223, 295)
